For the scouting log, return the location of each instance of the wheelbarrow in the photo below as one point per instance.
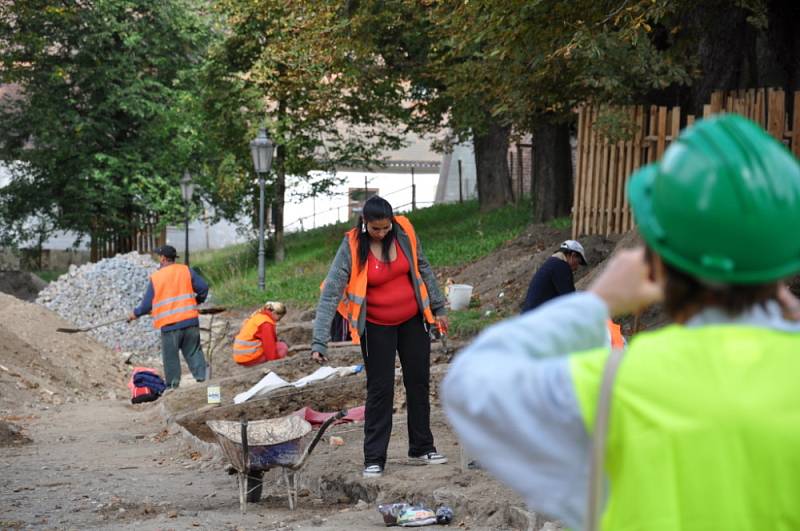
(257, 446)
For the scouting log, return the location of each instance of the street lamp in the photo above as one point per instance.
(261, 148)
(187, 189)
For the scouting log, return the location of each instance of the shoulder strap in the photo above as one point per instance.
(599, 439)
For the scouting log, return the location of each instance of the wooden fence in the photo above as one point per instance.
(600, 203)
(147, 236)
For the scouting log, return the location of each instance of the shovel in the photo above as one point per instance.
(210, 311)
(86, 329)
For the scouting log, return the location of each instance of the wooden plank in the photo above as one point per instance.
(600, 189)
(751, 104)
(621, 177)
(588, 183)
(581, 158)
(627, 222)
(625, 174)
(760, 97)
(716, 102)
(689, 120)
(587, 167)
(776, 113)
(610, 191)
(650, 131)
(707, 110)
(796, 125)
(662, 132)
(675, 128)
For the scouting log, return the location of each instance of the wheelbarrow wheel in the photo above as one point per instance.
(254, 484)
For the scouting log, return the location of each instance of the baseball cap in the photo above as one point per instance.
(167, 251)
(574, 246)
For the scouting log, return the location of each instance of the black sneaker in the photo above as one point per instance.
(373, 471)
(431, 458)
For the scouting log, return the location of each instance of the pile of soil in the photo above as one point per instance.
(40, 367)
(500, 280)
(21, 284)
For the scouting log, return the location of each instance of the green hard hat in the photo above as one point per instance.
(722, 204)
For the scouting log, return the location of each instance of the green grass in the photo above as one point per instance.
(560, 223)
(467, 323)
(451, 235)
(49, 275)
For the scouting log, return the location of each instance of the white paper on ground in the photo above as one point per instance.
(319, 374)
(272, 381)
(267, 383)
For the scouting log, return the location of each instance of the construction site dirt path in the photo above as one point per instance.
(112, 465)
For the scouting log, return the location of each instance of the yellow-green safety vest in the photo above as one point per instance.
(704, 430)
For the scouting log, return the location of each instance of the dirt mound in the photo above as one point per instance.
(21, 284)
(500, 280)
(41, 366)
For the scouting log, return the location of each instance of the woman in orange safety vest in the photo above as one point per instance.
(382, 283)
(257, 340)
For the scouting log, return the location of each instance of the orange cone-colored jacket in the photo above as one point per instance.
(173, 296)
(249, 349)
(345, 288)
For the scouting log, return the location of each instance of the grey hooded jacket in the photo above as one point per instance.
(339, 276)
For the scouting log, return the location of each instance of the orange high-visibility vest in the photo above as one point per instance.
(353, 301)
(246, 346)
(615, 331)
(173, 296)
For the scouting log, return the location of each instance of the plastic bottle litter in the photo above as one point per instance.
(391, 511)
(444, 515)
(406, 515)
(416, 516)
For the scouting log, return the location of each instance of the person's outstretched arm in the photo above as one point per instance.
(509, 397)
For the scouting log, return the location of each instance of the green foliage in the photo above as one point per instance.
(290, 66)
(450, 234)
(104, 121)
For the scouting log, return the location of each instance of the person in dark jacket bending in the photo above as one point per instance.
(555, 277)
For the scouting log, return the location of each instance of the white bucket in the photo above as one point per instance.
(459, 296)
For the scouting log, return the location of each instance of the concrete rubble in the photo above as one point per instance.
(102, 291)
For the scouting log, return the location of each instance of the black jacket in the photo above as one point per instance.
(554, 278)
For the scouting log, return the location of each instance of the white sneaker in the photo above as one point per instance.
(431, 458)
(373, 471)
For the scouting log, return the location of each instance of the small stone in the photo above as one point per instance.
(317, 520)
(172, 514)
(361, 505)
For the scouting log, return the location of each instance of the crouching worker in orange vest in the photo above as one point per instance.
(695, 425)
(257, 341)
(171, 298)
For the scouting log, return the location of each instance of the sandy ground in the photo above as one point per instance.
(76, 454)
(112, 465)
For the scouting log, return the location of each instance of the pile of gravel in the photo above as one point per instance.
(102, 291)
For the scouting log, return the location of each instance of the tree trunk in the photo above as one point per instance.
(491, 167)
(551, 186)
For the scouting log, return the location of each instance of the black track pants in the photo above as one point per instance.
(411, 340)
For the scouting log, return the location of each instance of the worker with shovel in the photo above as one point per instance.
(697, 426)
(172, 296)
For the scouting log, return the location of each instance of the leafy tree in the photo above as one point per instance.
(105, 120)
(533, 62)
(286, 64)
(412, 38)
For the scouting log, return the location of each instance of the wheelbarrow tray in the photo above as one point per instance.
(270, 442)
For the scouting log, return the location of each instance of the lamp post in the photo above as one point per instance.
(261, 149)
(187, 189)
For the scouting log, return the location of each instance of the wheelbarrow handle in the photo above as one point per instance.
(339, 415)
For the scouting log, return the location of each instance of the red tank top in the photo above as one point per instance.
(390, 294)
